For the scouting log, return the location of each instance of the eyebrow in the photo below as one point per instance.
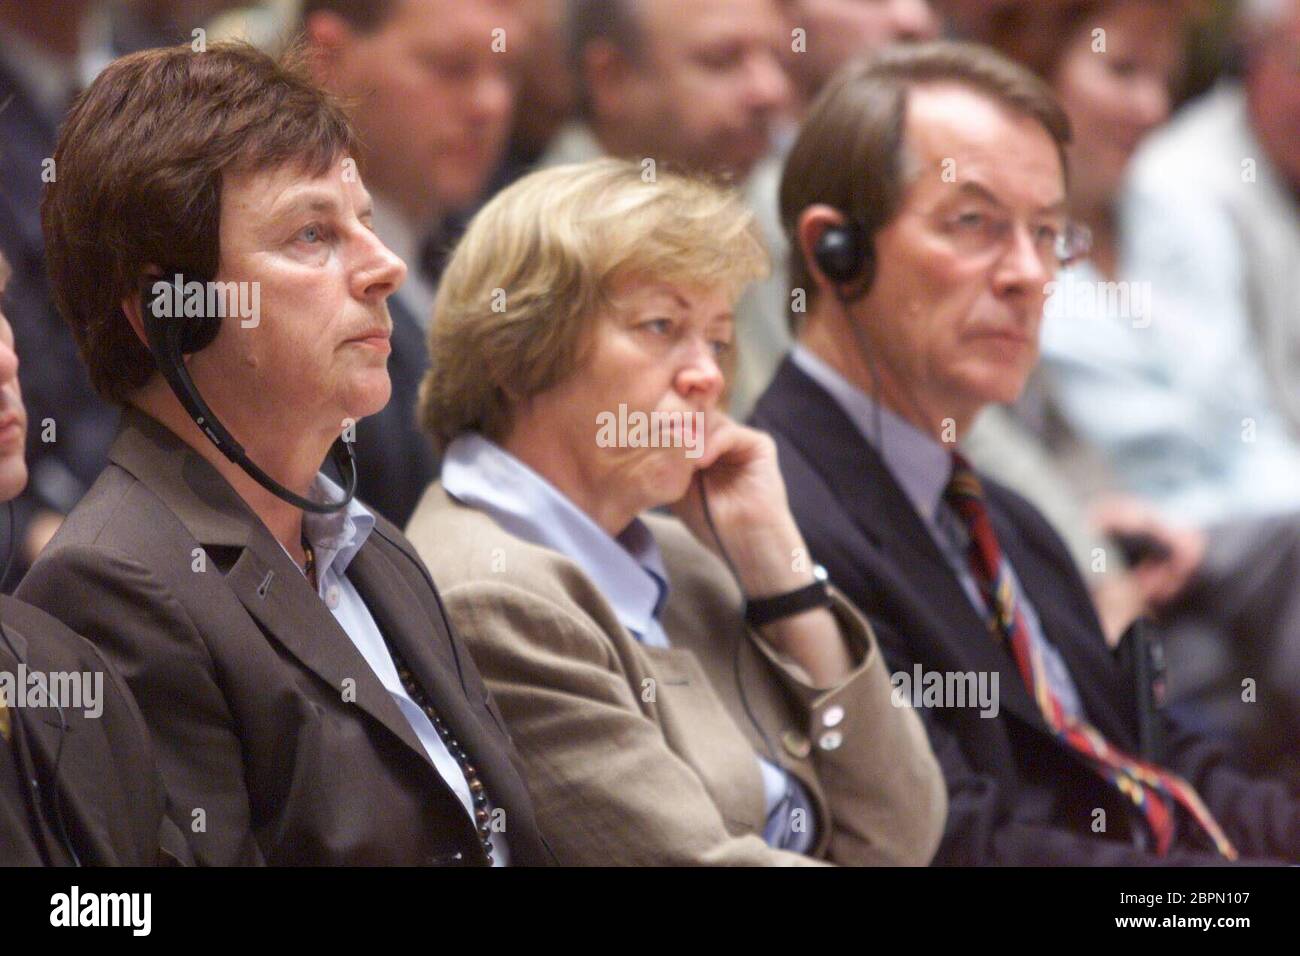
(981, 191)
(317, 202)
(724, 319)
(681, 302)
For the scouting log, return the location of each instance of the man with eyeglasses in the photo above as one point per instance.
(926, 198)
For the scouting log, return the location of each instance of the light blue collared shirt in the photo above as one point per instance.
(335, 539)
(628, 569)
(923, 467)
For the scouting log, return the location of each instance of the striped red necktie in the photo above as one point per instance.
(1145, 784)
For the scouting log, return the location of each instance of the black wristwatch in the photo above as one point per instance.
(761, 611)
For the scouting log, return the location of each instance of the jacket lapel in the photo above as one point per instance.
(1096, 678)
(263, 577)
(868, 491)
(281, 601)
(429, 652)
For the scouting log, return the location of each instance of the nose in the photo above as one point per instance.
(701, 377)
(379, 273)
(769, 87)
(8, 357)
(915, 20)
(492, 99)
(10, 394)
(1021, 271)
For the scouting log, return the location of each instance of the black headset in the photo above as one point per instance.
(844, 254)
(170, 338)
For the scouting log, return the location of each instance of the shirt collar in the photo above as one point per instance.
(335, 538)
(629, 569)
(921, 464)
(575, 142)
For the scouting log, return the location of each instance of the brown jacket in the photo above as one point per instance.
(86, 773)
(276, 741)
(643, 755)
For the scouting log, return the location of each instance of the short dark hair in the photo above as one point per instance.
(140, 162)
(850, 152)
(364, 16)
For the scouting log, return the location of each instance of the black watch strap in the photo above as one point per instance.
(761, 611)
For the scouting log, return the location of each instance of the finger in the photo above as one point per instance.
(721, 442)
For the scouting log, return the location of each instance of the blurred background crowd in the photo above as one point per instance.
(1161, 432)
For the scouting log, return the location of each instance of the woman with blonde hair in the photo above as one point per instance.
(682, 690)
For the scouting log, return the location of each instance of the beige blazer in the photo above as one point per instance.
(640, 755)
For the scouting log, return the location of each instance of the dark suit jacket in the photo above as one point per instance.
(107, 788)
(395, 458)
(55, 383)
(277, 742)
(1016, 794)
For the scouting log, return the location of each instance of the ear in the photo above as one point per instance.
(607, 73)
(812, 223)
(133, 304)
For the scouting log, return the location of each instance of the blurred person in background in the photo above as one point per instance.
(698, 86)
(662, 718)
(431, 88)
(1219, 238)
(547, 94)
(822, 35)
(49, 50)
(1143, 375)
(695, 86)
(836, 31)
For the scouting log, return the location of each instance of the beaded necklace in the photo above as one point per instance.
(478, 793)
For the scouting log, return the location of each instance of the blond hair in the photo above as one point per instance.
(520, 296)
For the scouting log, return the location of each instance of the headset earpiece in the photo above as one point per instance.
(843, 253)
(172, 335)
(187, 333)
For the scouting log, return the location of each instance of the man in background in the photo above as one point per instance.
(430, 84)
(822, 35)
(699, 86)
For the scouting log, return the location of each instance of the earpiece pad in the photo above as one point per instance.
(842, 253)
(193, 333)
